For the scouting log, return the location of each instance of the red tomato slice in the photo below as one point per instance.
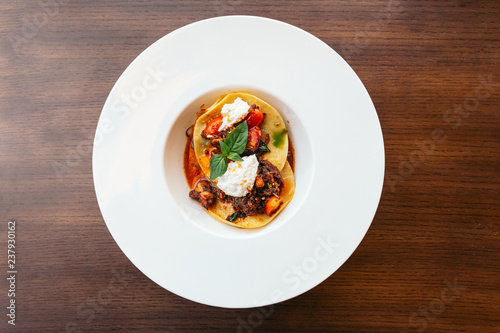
(255, 118)
(213, 126)
(254, 136)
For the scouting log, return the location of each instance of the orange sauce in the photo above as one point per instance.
(192, 170)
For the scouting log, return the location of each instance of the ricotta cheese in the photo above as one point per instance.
(239, 177)
(233, 113)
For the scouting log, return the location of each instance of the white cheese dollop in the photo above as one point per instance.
(234, 112)
(239, 177)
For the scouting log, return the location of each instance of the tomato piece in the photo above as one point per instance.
(272, 205)
(213, 126)
(254, 136)
(255, 118)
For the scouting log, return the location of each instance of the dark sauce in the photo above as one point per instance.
(291, 154)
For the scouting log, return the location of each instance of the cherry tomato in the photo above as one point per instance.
(255, 118)
(213, 126)
(254, 136)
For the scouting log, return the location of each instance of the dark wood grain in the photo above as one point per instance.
(437, 224)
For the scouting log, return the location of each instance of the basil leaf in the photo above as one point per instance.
(263, 147)
(231, 147)
(234, 157)
(218, 166)
(224, 148)
(233, 216)
(237, 139)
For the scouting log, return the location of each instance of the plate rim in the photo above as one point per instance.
(177, 31)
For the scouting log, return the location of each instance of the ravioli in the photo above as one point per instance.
(221, 210)
(273, 126)
(274, 185)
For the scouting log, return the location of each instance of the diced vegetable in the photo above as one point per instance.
(273, 204)
(255, 118)
(254, 136)
(213, 126)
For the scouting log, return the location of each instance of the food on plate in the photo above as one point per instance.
(239, 161)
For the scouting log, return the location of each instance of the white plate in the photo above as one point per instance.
(138, 173)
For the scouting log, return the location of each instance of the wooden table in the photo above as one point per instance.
(430, 261)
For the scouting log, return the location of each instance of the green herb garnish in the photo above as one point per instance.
(263, 147)
(233, 216)
(279, 138)
(233, 145)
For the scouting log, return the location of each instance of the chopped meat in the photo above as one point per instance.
(211, 151)
(268, 182)
(216, 138)
(271, 177)
(203, 192)
(267, 139)
(268, 185)
(220, 194)
(249, 205)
